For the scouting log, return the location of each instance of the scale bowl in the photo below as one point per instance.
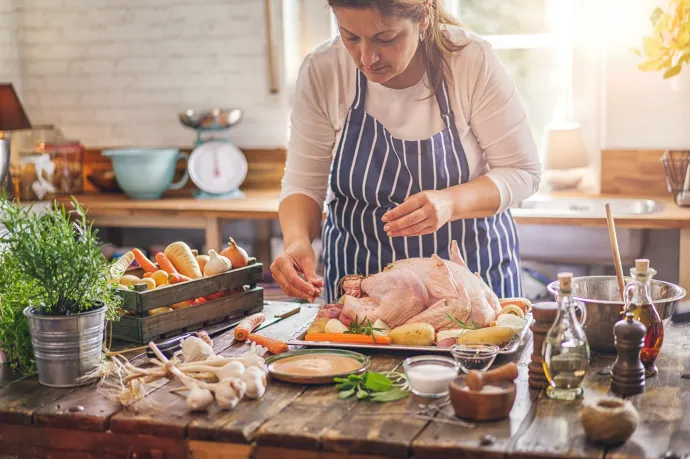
(210, 120)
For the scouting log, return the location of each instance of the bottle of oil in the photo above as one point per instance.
(638, 300)
(565, 349)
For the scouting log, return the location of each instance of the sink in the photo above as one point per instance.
(586, 207)
(576, 244)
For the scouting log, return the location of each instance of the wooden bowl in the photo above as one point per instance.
(104, 181)
(482, 406)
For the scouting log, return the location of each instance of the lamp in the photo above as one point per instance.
(563, 151)
(12, 118)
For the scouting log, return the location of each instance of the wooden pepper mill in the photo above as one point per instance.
(544, 314)
(628, 374)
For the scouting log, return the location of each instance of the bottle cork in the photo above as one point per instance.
(565, 282)
(544, 314)
(642, 266)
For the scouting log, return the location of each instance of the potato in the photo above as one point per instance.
(335, 326)
(318, 325)
(413, 334)
(162, 310)
(386, 330)
(511, 321)
(128, 279)
(148, 282)
(445, 334)
(491, 335)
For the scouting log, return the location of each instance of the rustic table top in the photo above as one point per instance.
(294, 421)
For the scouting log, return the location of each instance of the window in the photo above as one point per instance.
(550, 47)
(534, 41)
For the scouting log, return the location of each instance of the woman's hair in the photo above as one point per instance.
(436, 45)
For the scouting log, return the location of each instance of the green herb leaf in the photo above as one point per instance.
(362, 394)
(346, 394)
(462, 324)
(389, 396)
(354, 378)
(339, 380)
(345, 386)
(377, 382)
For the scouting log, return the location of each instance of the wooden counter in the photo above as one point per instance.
(260, 205)
(310, 422)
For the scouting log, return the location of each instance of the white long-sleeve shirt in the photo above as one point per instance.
(489, 114)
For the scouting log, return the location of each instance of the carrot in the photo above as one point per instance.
(198, 301)
(215, 296)
(274, 346)
(248, 325)
(144, 262)
(118, 268)
(165, 264)
(347, 338)
(147, 275)
(177, 278)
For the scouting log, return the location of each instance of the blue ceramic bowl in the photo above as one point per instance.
(146, 173)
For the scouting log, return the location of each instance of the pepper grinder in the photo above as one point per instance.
(628, 375)
(544, 314)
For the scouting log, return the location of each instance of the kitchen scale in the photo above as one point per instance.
(216, 166)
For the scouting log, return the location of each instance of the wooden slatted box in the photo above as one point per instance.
(244, 298)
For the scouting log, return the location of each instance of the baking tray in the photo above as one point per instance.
(297, 339)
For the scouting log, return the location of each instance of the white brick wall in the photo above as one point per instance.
(117, 72)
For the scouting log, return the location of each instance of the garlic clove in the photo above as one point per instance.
(255, 386)
(226, 395)
(258, 372)
(239, 386)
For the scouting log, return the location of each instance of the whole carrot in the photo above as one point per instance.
(274, 346)
(165, 264)
(176, 278)
(144, 262)
(248, 325)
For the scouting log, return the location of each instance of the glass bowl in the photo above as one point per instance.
(478, 357)
(430, 375)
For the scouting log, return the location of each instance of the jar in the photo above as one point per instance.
(68, 159)
(36, 176)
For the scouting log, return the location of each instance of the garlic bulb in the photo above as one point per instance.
(255, 386)
(258, 372)
(251, 359)
(216, 264)
(195, 350)
(199, 399)
(232, 369)
(226, 395)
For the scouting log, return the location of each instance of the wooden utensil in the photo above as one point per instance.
(475, 380)
(616, 252)
(273, 83)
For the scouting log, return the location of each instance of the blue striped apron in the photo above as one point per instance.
(373, 172)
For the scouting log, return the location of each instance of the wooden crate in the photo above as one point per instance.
(137, 326)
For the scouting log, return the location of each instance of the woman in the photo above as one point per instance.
(416, 135)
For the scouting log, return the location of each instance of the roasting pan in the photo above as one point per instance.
(297, 339)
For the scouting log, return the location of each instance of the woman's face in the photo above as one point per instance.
(381, 46)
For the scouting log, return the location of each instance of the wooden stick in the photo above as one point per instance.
(273, 84)
(616, 252)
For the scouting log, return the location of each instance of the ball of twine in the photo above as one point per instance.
(609, 420)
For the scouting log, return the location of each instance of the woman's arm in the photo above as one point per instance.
(300, 219)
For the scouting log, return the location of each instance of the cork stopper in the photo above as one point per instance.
(565, 282)
(642, 266)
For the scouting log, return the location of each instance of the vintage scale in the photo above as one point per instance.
(216, 166)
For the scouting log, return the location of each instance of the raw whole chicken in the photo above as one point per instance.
(416, 290)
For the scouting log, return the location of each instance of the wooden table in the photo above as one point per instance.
(262, 206)
(294, 421)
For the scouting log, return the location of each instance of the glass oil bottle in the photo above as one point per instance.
(565, 348)
(638, 300)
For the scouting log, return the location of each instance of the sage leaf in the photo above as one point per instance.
(390, 396)
(377, 382)
(346, 393)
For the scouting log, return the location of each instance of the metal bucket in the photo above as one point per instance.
(66, 347)
(601, 297)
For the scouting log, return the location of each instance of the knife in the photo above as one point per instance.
(278, 318)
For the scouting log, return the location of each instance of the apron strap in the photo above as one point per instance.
(360, 91)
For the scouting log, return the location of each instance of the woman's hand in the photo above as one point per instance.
(298, 258)
(422, 213)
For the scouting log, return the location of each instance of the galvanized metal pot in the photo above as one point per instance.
(601, 298)
(66, 348)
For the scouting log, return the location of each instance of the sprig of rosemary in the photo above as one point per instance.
(365, 327)
(462, 324)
